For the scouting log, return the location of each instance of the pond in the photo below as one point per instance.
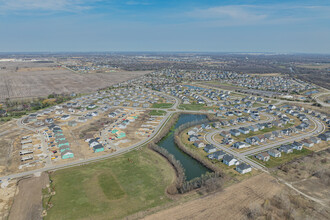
(192, 167)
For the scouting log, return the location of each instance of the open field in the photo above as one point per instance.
(157, 112)
(310, 174)
(27, 203)
(35, 80)
(162, 105)
(111, 189)
(314, 65)
(229, 204)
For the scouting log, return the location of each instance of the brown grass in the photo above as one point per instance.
(228, 204)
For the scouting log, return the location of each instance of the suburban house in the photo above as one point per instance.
(243, 168)
(261, 126)
(277, 134)
(253, 128)
(240, 145)
(193, 138)
(234, 132)
(209, 148)
(269, 136)
(324, 137)
(252, 140)
(199, 144)
(297, 145)
(315, 140)
(244, 130)
(67, 154)
(195, 130)
(227, 141)
(261, 138)
(307, 143)
(229, 160)
(225, 134)
(286, 149)
(274, 153)
(218, 155)
(98, 148)
(277, 123)
(264, 156)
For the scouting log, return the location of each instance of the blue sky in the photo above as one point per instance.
(168, 25)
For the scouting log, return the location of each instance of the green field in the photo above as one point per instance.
(157, 112)
(162, 105)
(274, 162)
(195, 107)
(111, 189)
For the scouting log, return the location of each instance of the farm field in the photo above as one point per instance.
(27, 80)
(111, 189)
(229, 204)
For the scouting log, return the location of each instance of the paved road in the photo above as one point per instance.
(242, 156)
(210, 138)
(317, 98)
(85, 161)
(169, 113)
(319, 128)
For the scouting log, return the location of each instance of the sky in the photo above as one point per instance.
(291, 26)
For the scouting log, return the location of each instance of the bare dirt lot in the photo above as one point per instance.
(310, 174)
(28, 202)
(26, 80)
(229, 204)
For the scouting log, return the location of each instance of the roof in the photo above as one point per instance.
(243, 166)
(66, 152)
(228, 157)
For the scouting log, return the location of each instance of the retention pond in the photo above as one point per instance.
(192, 167)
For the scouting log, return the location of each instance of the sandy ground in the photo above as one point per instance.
(28, 202)
(36, 80)
(6, 198)
(229, 204)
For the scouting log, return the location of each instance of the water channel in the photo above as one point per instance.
(192, 167)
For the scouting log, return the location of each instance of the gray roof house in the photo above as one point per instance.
(218, 155)
(229, 160)
(243, 168)
(209, 148)
(274, 153)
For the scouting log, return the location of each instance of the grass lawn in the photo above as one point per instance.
(157, 112)
(111, 189)
(273, 162)
(195, 107)
(162, 105)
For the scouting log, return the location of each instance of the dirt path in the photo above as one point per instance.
(229, 204)
(28, 202)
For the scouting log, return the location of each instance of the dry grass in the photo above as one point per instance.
(229, 204)
(35, 80)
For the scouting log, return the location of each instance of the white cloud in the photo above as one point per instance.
(236, 12)
(8, 6)
(231, 15)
